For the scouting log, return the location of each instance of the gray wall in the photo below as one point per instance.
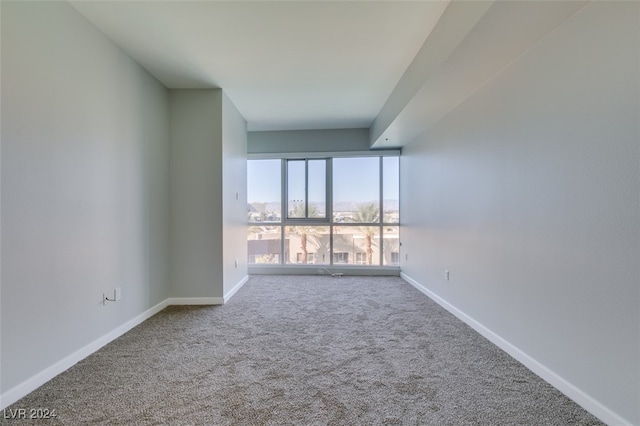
(196, 193)
(84, 187)
(208, 168)
(528, 193)
(234, 177)
(333, 140)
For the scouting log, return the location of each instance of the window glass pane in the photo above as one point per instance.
(391, 246)
(307, 244)
(317, 188)
(264, 244)
(356, 203)
(391, 189)
(356, 245)
(356, 190)
(263, 191)
(296, 188)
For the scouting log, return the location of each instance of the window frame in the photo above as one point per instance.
(284, 193)
(328, 220)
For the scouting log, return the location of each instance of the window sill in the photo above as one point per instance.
(295, 269)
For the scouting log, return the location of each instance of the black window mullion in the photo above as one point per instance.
(329, 204)
(284, 215)
(381, 213)
(306, 188)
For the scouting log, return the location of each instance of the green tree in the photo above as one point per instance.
(368, 213)
(305, 231)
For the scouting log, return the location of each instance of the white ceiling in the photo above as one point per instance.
(285, 65)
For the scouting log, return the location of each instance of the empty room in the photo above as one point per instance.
(320, 212)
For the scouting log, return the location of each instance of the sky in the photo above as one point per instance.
(354, 179)
(263, 178)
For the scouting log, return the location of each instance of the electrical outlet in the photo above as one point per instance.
(116, 295)
(446, 274)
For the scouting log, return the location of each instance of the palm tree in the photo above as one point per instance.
(304, 231)
(368, 213)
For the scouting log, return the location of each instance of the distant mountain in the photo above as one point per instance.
(351, 206)
(340, 206)
(267, 207)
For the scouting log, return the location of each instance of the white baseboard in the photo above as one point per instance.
(235, 289)
(195, 301)
(587, 402)
(34, 382)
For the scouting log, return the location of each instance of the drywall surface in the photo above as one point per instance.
(84, 187)
(451, 25)
(196, 193)
(234, 195)
(486, 44)
(294, 141)
(527, 193)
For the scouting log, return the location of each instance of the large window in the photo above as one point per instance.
(264, 211)
(263, 191)
(356, 190)
(306, 189)
(324, 211)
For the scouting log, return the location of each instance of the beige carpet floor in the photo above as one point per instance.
(293, 350)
